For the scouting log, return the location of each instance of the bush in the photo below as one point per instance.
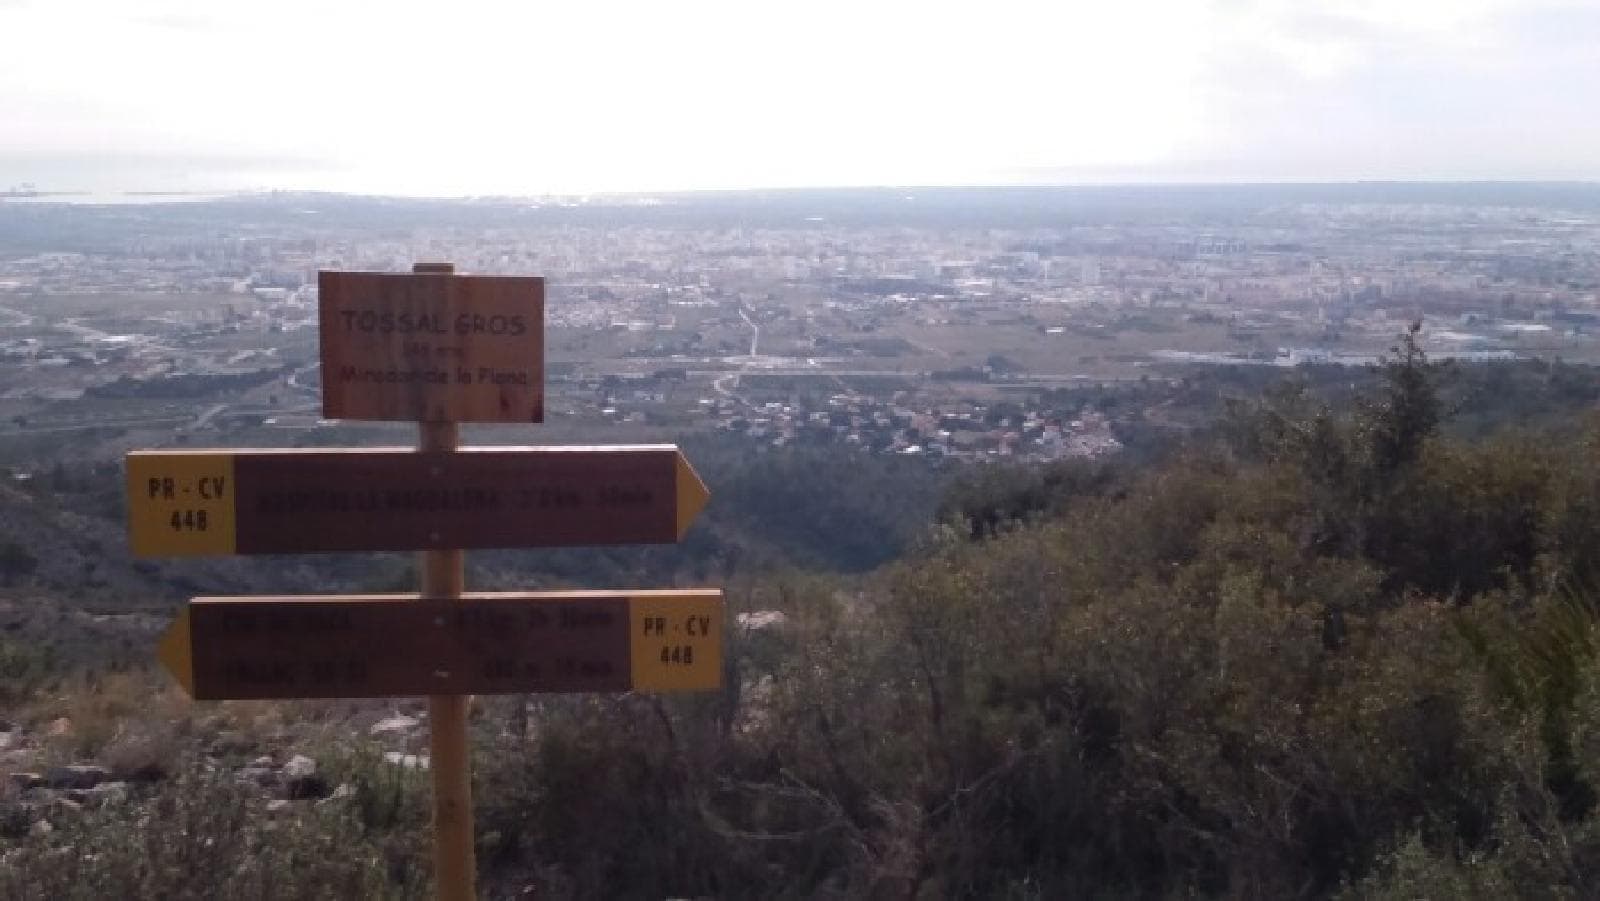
(202, 836)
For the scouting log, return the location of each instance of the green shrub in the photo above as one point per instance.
(203, 836)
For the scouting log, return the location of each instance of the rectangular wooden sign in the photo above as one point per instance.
(219, 502)
(432, 346)
(371, 646)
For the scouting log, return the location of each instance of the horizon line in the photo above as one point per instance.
(29, 192)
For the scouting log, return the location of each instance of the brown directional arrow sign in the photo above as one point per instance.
(183, 503)
(368, 646)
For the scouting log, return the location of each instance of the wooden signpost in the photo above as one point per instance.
(438, 349)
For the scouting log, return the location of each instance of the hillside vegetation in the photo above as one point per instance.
(1317, 652)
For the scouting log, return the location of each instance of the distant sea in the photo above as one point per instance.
(109, 198)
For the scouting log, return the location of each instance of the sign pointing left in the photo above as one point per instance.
(176, 652)
(371, 646)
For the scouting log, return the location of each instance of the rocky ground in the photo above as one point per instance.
(55, 768)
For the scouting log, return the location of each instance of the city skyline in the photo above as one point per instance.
(616, 97)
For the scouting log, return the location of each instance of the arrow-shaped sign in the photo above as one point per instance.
(369, 646)
(183, 503)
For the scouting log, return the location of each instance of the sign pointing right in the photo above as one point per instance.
(220, 502)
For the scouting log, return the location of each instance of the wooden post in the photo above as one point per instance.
(443, 576)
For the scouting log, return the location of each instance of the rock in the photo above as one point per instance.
(406, 761)
(66, 805)
(397, 723)
(82, 775)
(229, 743)
(59, 727)
(299, 766)
(25, 781)
(40, 828)
(265, 761)
(306, 788)
(104, 793)
(143, 774)
(343, 792)
(756, 620)
(39, 795)
(277, 805)
(260, 776)
(301, 782)
(10, 738)
(15, 820)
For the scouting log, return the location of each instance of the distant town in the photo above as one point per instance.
(912, 322)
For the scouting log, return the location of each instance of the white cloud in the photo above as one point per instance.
(476, 96)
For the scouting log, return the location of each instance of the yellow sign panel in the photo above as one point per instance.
(676, 641)
(180, 503)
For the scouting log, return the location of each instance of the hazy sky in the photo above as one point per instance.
(469, 97)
